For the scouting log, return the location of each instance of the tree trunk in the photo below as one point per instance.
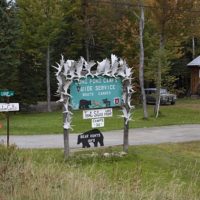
(66, 143)
(125, 139)
(66, 139)
(48, 79)
(87, 50)
(126, 125)
(141, 69)
(158, 86)
(193, 47)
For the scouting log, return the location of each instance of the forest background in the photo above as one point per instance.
(34, 34)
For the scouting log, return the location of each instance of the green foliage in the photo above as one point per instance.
(151, 74)
(128, 40)
(28, 27)
(170, 21)
(9, 52)
(41, 22)
(69, 40)
(31, 78)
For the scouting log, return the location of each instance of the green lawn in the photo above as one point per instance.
(150, 172)
(186, 111)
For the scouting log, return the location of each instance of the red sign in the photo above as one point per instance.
(116, 101)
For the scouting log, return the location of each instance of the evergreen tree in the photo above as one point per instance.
(9, 54)
(69, 40)
(40, 25)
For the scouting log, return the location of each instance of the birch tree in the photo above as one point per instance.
(166, 18)
(131, 34)
(141, 68)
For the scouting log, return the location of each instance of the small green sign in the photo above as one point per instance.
(6, 93)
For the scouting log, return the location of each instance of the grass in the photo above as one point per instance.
(149, 172)
(169, 171)
(186, 111)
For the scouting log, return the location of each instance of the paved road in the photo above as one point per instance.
(137, 136)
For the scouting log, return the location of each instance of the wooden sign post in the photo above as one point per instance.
(8, 107)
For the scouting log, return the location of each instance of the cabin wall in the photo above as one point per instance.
(195, 80)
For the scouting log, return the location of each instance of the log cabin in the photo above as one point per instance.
(195, 76)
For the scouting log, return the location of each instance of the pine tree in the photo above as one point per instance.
(40, 25)
(9, 52)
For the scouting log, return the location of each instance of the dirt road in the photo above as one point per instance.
(139, 136)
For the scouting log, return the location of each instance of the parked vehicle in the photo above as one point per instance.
(165, 96)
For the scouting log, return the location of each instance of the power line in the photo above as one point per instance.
(138, 6)
(193, 22)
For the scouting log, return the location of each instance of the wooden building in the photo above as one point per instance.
(195, 76)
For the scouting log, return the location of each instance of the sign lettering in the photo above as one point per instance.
(99, 122)
(97, 113)
(97, 92)
(93, 136)
(6, 107)
(6, 93)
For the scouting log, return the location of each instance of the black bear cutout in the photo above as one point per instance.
(84, 104)
(92, 136)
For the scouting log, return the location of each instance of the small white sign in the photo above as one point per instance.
(6, 107)
(99, 122)
(97, 113)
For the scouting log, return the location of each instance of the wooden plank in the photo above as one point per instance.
(195, 80)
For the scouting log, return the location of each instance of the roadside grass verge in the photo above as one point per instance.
(186, 111)
(169, 171)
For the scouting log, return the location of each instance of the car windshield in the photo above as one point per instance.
(163, 91)
(153, 91)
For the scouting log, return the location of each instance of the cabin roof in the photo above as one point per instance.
(195, 62)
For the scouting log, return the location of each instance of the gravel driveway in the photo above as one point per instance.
(138, 136)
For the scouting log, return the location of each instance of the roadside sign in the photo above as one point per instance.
(7, 107)
(6, 93)
(99, 122)
(96, 92)
(97, 113)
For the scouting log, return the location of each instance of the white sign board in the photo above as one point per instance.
(99, 122)
(6, 107)
(97, 113)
